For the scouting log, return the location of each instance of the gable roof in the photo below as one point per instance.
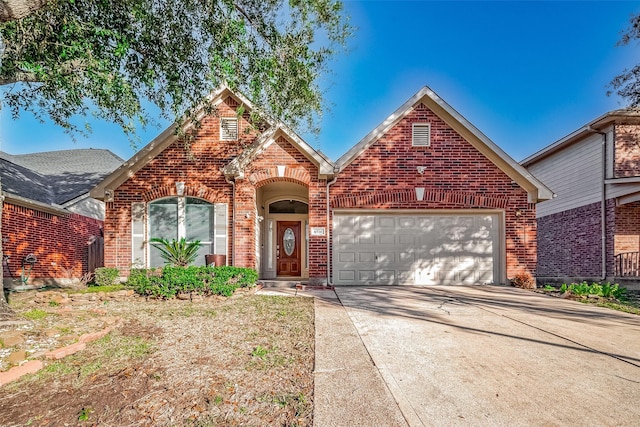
(168, 136)
(537, 190)
(54, 178)
(627, 116)
(236, 166)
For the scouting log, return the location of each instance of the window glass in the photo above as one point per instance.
(289, 206)
(199, 218)
(163, 223)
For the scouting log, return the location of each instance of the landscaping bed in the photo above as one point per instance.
(602, 295)
(242, 360)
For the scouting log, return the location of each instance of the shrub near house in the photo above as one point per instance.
(168, 282)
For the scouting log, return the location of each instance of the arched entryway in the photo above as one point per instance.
(284, 235)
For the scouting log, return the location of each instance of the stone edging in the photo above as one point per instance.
(33, 366)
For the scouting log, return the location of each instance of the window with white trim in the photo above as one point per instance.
(228, 128)
(191, 218)
(421, 135)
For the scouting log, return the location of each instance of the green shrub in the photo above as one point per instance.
(167, 282)
(179, 253)
(606, 290)
(106, 276)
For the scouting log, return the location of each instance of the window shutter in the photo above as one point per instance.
(421, 135)
(138, 247)
(228, 128)
(220, 230)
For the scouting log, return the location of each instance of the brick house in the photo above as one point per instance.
(591, 229)
(49, 221)
(425, 198)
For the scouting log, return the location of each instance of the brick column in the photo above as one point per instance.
(244, 234)
(318, 261)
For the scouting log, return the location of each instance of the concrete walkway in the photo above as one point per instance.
(476, 356)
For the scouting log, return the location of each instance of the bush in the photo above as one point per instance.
(106, 276)
(168, 282)
(605, 290)
(524, 281)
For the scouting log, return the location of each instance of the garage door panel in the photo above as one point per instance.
(347, 257)
(346, 239)
(386, 239)
(347, 275)
(407, 239)
(367, 238)
(366, 276)
(386, 277)
(386, 222)
(418, 249)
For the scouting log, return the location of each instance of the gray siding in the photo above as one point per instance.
(573, 174)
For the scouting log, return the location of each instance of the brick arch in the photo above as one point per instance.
(201, 192)
(296, 175)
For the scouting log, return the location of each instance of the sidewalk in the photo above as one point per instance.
(349, 390)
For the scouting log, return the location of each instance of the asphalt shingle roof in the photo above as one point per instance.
(56, 177)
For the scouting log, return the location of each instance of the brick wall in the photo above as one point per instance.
(59, 242)
(627, 151)
(197, 164)
(457, 176)
(200, 168)
(569, 243)
(300, 170)
(627, 228)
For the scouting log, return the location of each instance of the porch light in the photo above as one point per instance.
(419, 193)
(180, 188)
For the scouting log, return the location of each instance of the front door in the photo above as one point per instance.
(288, 253)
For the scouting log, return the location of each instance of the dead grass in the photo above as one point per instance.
(245, 360)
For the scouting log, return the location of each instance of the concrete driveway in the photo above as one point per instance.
(489, 355)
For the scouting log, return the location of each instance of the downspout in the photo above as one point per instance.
(233, 220)
(603, 201)
(329, 270)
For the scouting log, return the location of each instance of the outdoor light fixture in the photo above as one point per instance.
(180, 188)
(421, 169)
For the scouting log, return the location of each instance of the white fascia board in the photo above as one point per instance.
(33, 204)
(325, 166)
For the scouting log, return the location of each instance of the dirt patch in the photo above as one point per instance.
(246, 360)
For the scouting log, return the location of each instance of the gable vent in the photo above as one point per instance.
(421, 134)
(228, 128)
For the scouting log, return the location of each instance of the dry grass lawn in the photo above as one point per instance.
(245, 360)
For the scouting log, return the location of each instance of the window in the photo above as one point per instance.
(228, 128)
(191, 218)
(288, 207)
(421, 135)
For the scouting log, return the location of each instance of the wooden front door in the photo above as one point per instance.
(288, 253)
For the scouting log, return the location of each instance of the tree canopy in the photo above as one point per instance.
(627, 84)
(108, 58)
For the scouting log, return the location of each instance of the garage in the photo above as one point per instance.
(429, 248)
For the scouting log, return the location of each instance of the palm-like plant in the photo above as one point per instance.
(177, 252)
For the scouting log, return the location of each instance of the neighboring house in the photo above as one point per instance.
(591, 229)
(425, 198)
(48, 216)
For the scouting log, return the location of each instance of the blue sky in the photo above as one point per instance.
(524, 73)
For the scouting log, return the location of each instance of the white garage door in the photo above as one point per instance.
(425, 249)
